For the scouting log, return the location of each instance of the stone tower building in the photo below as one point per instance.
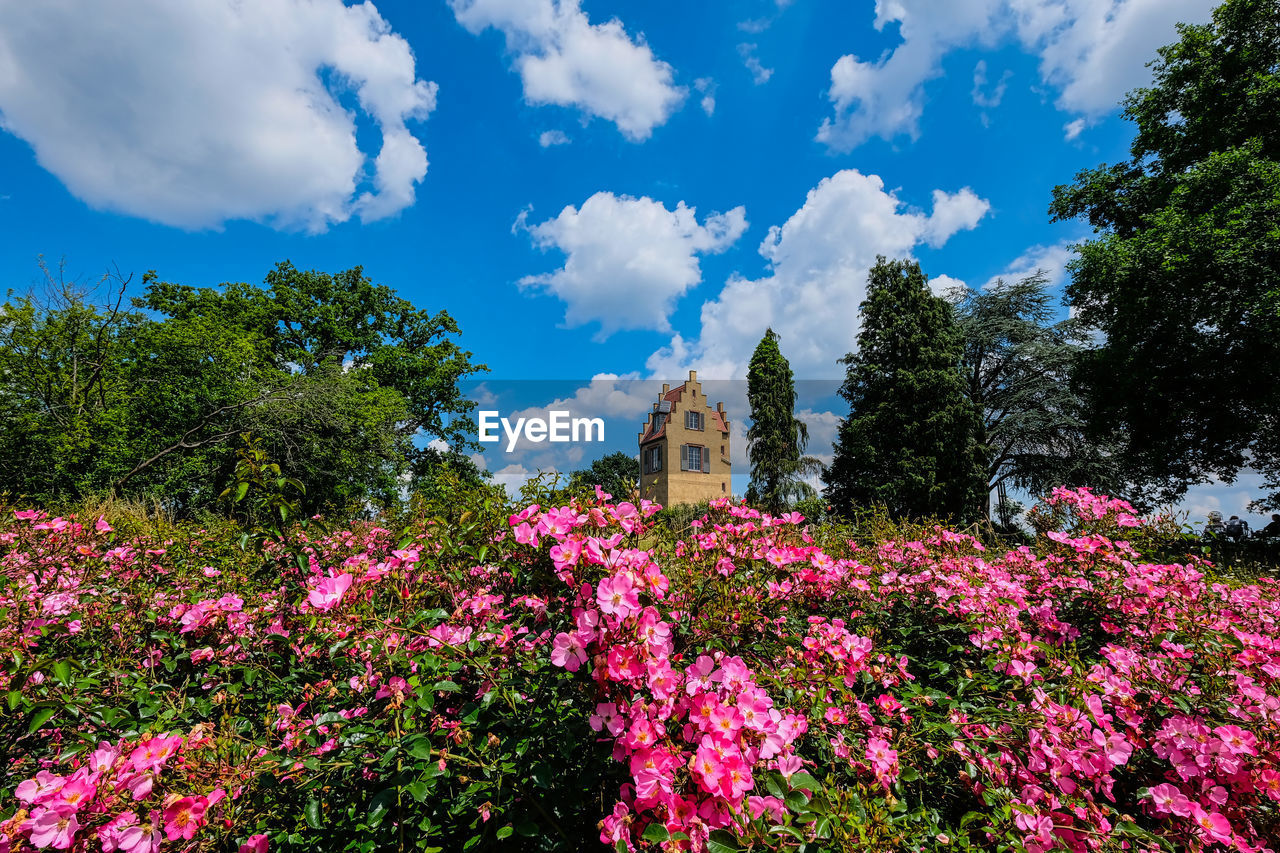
(684, 447)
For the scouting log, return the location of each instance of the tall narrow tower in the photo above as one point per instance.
(684, 447)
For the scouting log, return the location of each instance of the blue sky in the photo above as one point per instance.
(594, 189)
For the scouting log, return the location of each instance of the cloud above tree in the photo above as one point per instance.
(193, 114)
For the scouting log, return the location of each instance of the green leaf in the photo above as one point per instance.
(721, 841)
(447, 686)
(420, 747)
(656, 832)
(42, 716)
(796, 801)
(312, 813)
(804, 780)
(62, 671)
(504, 832)
(241, 491)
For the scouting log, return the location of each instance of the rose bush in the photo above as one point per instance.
(575, 675)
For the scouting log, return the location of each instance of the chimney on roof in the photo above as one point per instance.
(720, 407)
(693, 376)
(666, 386)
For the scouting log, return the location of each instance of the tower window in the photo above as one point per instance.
(693, 420)
(694, 457)
(653, 459)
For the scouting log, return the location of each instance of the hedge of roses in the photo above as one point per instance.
(574, 676)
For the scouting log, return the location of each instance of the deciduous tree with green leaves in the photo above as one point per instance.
(1183, 276)
(909, 442)
(616, 473)
(341, 380)
(776, 438)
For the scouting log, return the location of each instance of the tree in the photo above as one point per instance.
(616, 473)
(909, 441)
(776, 438)
(340, 379)
(60, 389)
(1017, 364)
(1183, 276)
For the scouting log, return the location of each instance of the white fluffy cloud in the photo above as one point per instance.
(818, 260)
(1096, 50)
(1051, 260)
(199, 112)
(1092, 51)
(566, 60)
(628, 259)
(944, 285)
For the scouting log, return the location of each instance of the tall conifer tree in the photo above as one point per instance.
(909, 441)
(776, 438)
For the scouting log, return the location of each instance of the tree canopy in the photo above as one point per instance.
(909, 441)
(342, 381)
(776, 438)
(1017, 365)
(1182, 279)
(616, 473)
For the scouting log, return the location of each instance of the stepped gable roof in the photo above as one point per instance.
(673, 396)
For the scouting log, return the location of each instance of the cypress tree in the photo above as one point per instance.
(909, 441)
(776, 438)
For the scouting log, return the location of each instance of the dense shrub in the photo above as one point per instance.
(574, 674)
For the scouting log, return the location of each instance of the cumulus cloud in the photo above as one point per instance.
(1091, 51)
(944, 285)
(548, 138)
(564, 59)
(759, 74)
(818, 259)
(628, 259)
(1051, 260)
(196, 113)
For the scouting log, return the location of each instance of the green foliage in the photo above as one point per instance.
(1181, 278)
(335, 375)
(260, 492)
(1017, 364)
(438, 474)
(909, 441)
(776, 438)
(616, 473)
